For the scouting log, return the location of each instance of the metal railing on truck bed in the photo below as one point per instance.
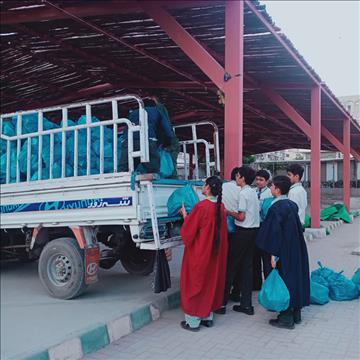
(36, 149)
(63, 146)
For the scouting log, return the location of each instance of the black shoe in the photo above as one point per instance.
(207, 323)
(297, 316)
(246, 310)
(235, 297)
(279, 324)
(221, 310)
(186, 326)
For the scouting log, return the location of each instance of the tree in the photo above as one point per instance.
(247, 160)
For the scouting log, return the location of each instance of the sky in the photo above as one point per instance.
(327, 34)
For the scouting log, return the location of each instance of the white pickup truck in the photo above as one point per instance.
(61, 219)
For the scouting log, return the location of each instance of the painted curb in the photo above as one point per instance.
(101, 335)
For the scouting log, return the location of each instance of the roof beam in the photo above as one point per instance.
(262, 19)
(288, 110)
(186, 42)
(272, 118)
(297, 59)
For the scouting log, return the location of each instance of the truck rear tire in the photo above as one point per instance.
(136, 261)
(61, 268)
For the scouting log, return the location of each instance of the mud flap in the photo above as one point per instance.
(92, 259)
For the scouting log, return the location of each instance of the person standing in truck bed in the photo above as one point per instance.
(156, 120)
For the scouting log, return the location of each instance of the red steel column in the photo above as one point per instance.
(234, 50)
(346, 163)
(315, 156)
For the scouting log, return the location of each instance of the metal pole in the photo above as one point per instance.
(346, 163)
(234, 51)
(315, 156)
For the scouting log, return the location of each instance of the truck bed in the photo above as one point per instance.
(106, 200)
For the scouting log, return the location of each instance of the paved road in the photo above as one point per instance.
(35, 321)
(331, 331)
(32, 321)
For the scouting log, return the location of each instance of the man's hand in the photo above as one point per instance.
(182, 211)
(273, 262)
(168, 254)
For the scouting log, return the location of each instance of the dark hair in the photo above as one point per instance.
(248, 173)
(215, 185)
(283, 183)
(234, 171)
(296, 169)
(264, 174)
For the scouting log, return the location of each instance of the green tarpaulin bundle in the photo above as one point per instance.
(335, 212)
(331, 213)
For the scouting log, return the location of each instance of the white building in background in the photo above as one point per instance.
(352, 105)
(331, 164)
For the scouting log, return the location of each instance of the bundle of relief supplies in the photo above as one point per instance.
(30, 125)
(340, 287)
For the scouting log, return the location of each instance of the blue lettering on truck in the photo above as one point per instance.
(68, 205)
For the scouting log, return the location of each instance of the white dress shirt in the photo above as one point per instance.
(249, 204)
(230, 195)
(298, 195)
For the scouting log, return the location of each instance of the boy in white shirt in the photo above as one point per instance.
(230, 192)
(262, 260)
(297, 193)
(242, 244)
(262, 181)
(230, 199)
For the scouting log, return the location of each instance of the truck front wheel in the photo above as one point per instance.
(61, 268)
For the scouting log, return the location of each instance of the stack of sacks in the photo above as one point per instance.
(9, 129)
(30, 125)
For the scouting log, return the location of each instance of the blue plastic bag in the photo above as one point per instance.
(319, 294)
(356, 279)
(322, 275)
(166, 164)
(230, 224)
(186, 195)
(274, 295)
(342, 288)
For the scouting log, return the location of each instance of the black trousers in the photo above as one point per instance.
(240, 259)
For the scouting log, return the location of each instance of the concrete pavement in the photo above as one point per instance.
(32, 321)
(331, 331)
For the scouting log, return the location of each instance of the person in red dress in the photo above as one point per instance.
(203, 268)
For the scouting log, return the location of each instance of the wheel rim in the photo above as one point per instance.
(59, 269)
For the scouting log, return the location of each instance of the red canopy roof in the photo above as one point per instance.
(94, 49)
